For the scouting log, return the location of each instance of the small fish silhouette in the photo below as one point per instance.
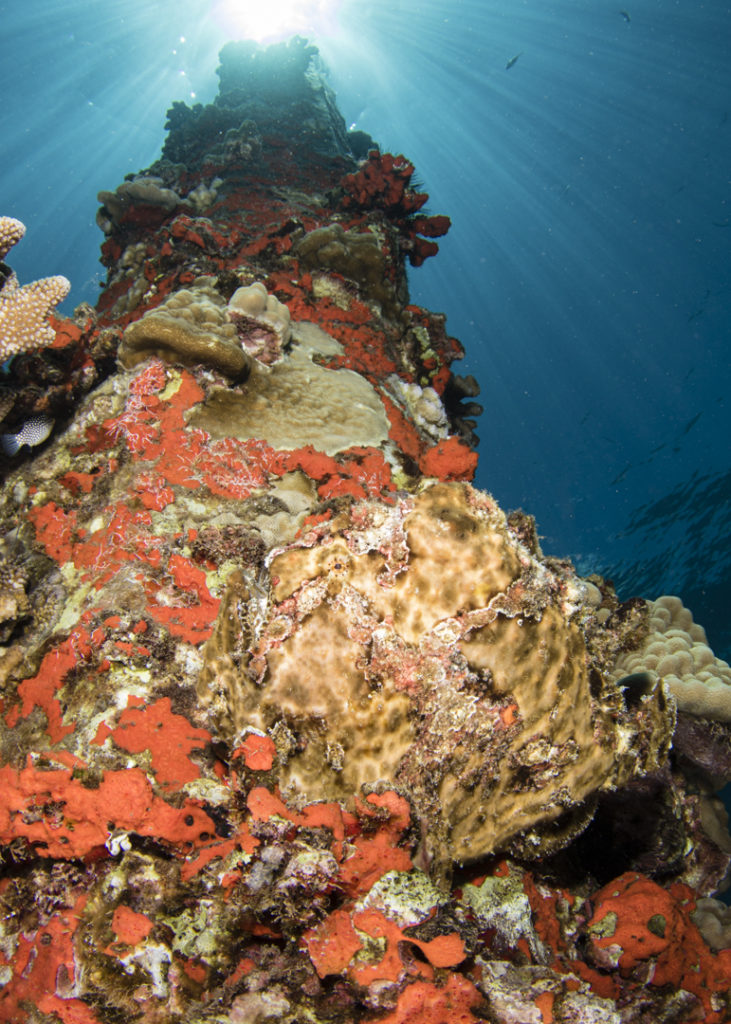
(620, 476)
(34, 431)
(690, 424)
(513, 60)
(625, 16)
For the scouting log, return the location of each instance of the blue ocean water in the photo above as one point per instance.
(587, 270)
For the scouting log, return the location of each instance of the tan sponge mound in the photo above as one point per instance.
(421, 645)
(677, 652)
(191, 327)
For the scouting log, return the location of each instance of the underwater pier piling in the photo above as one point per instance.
(296, 724)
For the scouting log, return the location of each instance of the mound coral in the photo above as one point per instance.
(145, 196)
(356, 255)
(297, 403)
(262, 322)
(190, 327)
(712, 918)
(676, 650)
(422, 645)
(424, 406)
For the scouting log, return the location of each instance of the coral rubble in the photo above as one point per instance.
(295, 724)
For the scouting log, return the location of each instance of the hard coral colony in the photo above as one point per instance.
(297, 724)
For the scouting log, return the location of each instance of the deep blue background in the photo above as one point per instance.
(587, 271)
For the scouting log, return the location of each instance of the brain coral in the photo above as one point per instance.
(676, 651)
(421, 644)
